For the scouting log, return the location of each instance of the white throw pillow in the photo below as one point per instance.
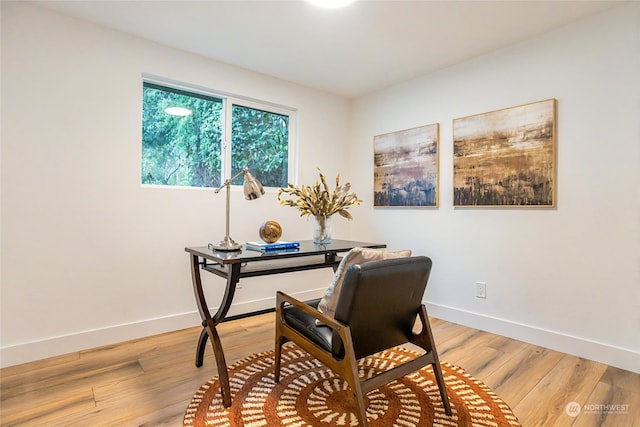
(329, 301)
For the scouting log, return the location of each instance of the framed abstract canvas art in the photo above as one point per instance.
(406, 167)
(506, 158)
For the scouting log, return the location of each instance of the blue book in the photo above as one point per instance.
(272, 247)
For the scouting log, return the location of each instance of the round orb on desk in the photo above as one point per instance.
(270, 232)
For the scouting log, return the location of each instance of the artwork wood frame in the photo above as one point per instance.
(506, 158)
(406, 168)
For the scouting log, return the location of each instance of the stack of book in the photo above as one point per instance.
(278, 246)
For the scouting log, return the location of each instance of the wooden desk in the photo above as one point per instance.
(233, 266)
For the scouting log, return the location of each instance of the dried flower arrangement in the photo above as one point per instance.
(318, 200)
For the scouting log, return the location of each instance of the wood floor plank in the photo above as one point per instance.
(571, 380)
(71, 375)
(460, 347)
(506, 345)
(150, 381)
(623, 379)
(26, 368)
(43, 408)
(448, 331)
(490, 355)
(454, 340)
(166, 359)
(153, 383)
(170, 416)
(481, 362)
(148, 402)
(610, 406)
(137, 348)
(519, 374)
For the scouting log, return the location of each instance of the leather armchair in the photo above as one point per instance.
(377, 309)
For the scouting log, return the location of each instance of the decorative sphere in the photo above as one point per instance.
(270, 231)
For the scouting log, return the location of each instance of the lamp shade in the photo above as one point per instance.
(252, 187)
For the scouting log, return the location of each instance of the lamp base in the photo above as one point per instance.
(228, 244)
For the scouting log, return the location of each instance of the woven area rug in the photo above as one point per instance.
(310, 394)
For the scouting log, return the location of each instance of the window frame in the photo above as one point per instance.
(228, 101)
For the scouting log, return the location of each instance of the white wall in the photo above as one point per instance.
(89, 256)
(566, 278)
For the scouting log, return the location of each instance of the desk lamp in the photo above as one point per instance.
(252, 190)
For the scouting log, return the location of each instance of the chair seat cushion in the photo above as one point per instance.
(306, 325)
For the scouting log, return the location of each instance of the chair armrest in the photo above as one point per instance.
(282, 299)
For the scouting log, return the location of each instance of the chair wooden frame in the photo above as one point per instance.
(347, 366)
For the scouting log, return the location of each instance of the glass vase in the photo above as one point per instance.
(322, 229)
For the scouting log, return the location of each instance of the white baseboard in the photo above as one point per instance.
(55, 346)
(619, 357)
(59, 345)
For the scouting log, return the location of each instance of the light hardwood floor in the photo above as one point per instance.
(150, 381)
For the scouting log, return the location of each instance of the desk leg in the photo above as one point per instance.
(209, 323)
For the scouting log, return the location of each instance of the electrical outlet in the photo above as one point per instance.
(481, 289)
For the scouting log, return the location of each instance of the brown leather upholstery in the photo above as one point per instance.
(377, 309)
(306, 325)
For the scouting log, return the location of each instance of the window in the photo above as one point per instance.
(185, 134)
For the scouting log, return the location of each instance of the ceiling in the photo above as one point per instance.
(350, 52)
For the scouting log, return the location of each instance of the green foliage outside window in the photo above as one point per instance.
(189, 150)
(259, 142)
(180, 150)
